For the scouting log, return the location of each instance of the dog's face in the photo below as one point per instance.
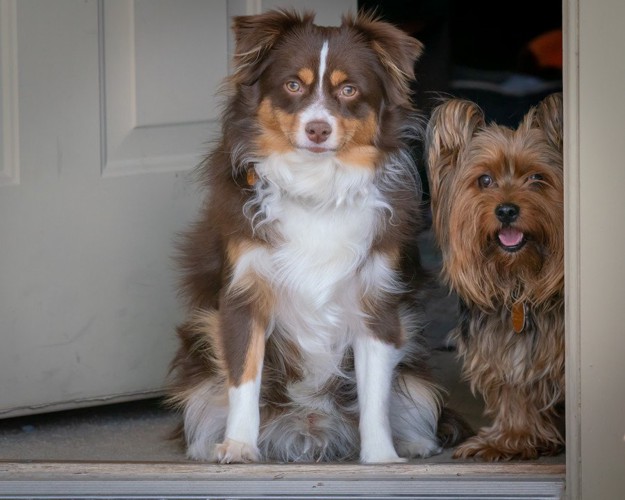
(322, 91)
(497, 201)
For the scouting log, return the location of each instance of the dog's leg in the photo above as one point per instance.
(244, 377)
(241, 438)
(375, 363)
(524, 427)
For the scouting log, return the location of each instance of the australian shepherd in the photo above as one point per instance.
(302, 276)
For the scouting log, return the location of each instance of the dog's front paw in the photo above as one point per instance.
(231, 451)
(380, 455)
(494, 451)
(378, 458)
(476, 447)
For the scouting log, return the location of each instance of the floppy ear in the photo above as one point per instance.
(396, 50)
(548, 116)
(450, 129)
(255, 35)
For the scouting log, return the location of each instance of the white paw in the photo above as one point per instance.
(231, 451)
(379, 458)
(380, 455)
(422, 448)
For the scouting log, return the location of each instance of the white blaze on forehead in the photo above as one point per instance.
(317, 110)
(323, 56)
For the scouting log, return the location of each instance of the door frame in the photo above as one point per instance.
(570, 23)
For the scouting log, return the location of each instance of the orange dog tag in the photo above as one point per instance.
(251, 177)
(519, 312)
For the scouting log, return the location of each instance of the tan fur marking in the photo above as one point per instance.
(337, 77)
(362, 156)
(306, 75)
(235, 249)
(255, 353)
(258, 290)
(358, 139)
(276, 128)
(261, 300)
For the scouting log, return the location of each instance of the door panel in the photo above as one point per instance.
(161, 63)
(87, 295)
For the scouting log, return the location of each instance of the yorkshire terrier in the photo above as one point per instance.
(497, 214)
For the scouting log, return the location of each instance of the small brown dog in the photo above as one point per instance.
(497, 204)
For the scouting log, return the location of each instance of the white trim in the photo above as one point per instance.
(570, 23)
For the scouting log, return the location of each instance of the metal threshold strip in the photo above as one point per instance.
(160, 480)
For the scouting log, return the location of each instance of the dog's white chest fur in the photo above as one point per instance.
(325, 216)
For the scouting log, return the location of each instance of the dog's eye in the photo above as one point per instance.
(293, 86)
(485, 180)
(348, 91)
(536, 178)
(536, 181)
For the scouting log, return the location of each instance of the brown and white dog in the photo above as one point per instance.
(497, 205)
(301, 274)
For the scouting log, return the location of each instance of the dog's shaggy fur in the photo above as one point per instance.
(497, 204)
(302, 274)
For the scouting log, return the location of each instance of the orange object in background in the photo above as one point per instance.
(547, 49)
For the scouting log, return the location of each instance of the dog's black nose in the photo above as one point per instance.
(507, 212)
(318, 131)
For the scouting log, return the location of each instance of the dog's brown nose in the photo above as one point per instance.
(507, 212)
(318, 131)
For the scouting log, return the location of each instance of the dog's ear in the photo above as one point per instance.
(255, 35)
(396, 50)
(548, 116)
(450, 128)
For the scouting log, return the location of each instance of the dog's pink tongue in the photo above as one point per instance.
(510, 237)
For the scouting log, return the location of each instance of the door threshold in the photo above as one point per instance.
(413, 480)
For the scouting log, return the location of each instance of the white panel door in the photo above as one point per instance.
(105, 108)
